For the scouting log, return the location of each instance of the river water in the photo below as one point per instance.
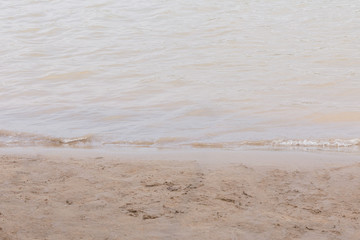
(155, 73)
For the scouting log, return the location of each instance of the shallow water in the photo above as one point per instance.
(180, 73)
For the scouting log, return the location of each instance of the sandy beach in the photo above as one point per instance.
(179, 120)
(49, 195)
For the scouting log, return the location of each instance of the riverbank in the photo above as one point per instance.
(87, 194)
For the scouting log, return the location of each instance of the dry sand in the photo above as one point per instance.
(51, 195)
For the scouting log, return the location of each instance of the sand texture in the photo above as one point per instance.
(43, 197)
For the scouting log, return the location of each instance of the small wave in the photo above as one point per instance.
(132, 143)
(287, 144)
(86, 139)
(9, 138)
(330, 143)
(298, 144)
(208, 145)
(165, 141)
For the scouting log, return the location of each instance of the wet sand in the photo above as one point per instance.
(159, 195)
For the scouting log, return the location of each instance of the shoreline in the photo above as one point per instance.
(208, 156)
(173, 194)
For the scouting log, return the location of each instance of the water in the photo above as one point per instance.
(274, 74)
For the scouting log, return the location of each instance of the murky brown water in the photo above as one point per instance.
(180, 73)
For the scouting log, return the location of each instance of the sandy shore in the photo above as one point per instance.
(51, 195)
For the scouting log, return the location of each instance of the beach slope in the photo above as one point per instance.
(65, 196)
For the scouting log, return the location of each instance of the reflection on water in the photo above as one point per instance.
(205, 73)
